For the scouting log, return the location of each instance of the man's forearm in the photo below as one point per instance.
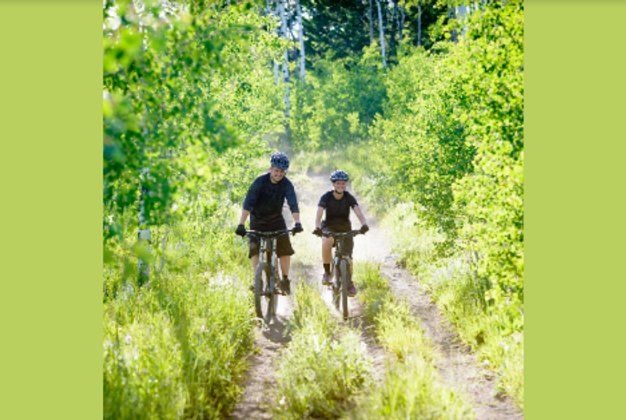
(244, 217)
(296, 217)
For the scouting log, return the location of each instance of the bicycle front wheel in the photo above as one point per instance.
(263, 299)
(343, 273)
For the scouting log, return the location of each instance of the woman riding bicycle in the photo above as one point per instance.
(337, 203)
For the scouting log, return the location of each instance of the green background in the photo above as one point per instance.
(50, 172)
(575, 209)
(50, 167)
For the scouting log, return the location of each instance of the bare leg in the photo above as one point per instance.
(327, 247)
(285, 262)
(255, 261)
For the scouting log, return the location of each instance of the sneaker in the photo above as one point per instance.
(285, 286)
(351, 290)
(326, 279)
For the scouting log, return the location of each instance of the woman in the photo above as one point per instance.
(337, 203)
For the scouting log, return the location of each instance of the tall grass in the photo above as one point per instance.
(176, 346)
(323, 367)
(412, 387)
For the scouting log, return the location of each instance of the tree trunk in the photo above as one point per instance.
(402, 20)
(143, 234)
(302, 56)
(393, 24)
(460, 13)
(419, 22)
(382, 33)
(371, 20)
(283, 25)
(276, 73)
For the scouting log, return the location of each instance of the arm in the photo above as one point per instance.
(251, 198)
(243, 217)
(318, 217)
(359, 214)
(292, 200)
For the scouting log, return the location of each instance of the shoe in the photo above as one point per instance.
(285, 286)
(326, 279)
(351, 290)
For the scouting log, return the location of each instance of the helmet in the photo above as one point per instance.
(339, 175)
(280, 160)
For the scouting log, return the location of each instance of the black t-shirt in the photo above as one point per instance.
(265, 200)
(337, 211)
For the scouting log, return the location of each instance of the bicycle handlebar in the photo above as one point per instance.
(269, 234)
(341, 234)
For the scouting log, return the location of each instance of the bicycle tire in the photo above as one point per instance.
(343, 272)
(263, 305)
(336, 288)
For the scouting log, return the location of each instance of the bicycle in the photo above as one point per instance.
(341, 266)
(266, 274)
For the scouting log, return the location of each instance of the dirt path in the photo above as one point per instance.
(457, 365)
(259, 394)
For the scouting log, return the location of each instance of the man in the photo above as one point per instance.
(264, 203)
(337, 204)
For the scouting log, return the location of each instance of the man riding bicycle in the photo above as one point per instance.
(337, 203)
(264, 203)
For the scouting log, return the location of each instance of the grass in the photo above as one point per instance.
(412, 387)
(176, 346)
(324, 367)
(493, 330)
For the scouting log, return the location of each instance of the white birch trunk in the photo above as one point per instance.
(419, 22)
(283, 24)
(371, 20)
(461, 13)
(382, 33)
(143, 234)
(402, 22)
(276, 73)
(302, 57)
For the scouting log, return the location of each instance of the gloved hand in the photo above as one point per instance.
(297, 228)
(364, 228)
(241, 230)
(318, 232)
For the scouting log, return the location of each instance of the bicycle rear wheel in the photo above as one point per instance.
(343, 273)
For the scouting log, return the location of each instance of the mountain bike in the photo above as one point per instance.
(341, 266)
(266, 274)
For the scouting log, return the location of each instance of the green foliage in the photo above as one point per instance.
(180, 79)
(338, 103)
(323, 367)
(188, 102)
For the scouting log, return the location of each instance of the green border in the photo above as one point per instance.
(575, 211)
(50, 167)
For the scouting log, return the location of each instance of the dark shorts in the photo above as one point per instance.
(283, 246)
(348, 243)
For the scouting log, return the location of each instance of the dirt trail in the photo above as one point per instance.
(457, 365)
